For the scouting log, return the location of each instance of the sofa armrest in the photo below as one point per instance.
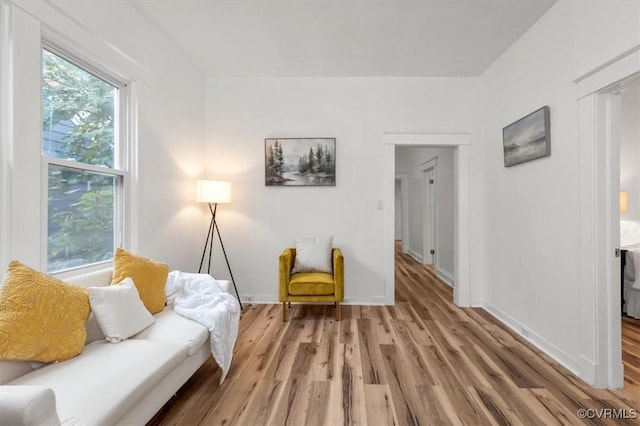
(225, 285)
(28, 406)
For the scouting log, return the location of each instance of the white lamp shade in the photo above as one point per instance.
(624, 199)
(213, 191)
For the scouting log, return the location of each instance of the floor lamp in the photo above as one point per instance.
(214, 192)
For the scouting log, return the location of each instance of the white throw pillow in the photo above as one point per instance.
(119, 310)
(313, 254)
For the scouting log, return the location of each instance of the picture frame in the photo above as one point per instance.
(300, 161)
(528, 138)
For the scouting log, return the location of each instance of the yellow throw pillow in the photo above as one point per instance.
(149, 277)
(41, 318)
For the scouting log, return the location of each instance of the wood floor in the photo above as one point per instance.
(423, 361)
(631, 355)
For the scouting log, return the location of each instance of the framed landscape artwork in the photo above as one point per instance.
(527, 139)
(300, 161)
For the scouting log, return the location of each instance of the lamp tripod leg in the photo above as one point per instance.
(206, 243)
(213, 226)
(216, 227)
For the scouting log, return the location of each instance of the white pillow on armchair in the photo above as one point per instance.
(313, 254)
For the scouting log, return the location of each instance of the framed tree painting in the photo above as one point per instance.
(527, 138)
(300, 161)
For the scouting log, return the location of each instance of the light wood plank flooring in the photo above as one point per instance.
(631, 355)
(423, 361)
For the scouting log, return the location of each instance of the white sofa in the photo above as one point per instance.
(107, 384)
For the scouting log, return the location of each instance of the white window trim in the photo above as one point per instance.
(110, 171)
(6, 131)
(22, 31)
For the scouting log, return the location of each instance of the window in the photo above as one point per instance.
(80, 146)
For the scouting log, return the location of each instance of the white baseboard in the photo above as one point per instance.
(445, 276)
(477, 303)
(416, 256)
(589, 372)
(259, 299)
(270, 299)
(566, 360)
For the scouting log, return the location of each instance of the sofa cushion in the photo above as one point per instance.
(171, 327)
(41, 318)
(311, 284)
(149, 277)
(106, 381)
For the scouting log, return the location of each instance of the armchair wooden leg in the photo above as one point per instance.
(337, 311)
(284, 311)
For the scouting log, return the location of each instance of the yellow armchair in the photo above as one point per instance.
(310, 286)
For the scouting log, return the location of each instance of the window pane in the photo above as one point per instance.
(81, 218)
(77, 113)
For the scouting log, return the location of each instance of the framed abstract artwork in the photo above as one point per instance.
(528, 138)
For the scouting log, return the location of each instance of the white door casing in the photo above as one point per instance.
(600, 334)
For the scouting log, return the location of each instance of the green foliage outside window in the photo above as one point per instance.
(78, 125)
(81, 220)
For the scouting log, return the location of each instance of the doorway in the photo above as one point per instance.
(629, 242)
(460, 143)
(599, 113)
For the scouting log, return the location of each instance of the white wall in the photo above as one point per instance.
(170, 125)
(261, 221)
(630, 151)
(526, 217)
(409, 160)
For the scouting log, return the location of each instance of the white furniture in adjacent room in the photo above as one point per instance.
(630, 243)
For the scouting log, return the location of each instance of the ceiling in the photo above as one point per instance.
(343, 38)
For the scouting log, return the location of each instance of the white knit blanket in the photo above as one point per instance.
(200, 298)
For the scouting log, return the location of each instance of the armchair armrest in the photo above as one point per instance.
(338, 273)
(285, 263)
(28, 406)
